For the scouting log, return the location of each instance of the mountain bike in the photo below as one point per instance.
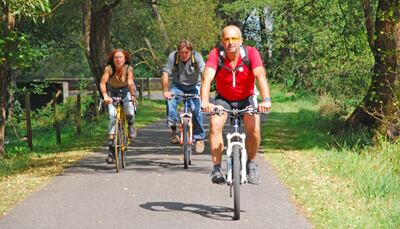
(236, 154)
(121, 140)
(186, 127)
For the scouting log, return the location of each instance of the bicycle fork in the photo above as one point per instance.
(231, 137)
(187, 116)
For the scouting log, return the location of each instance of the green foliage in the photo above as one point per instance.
(44, 136)
(318, 46)
(23, 54)
(131, 35)
(192, 20)
(19, 58)
(29, 9)
(339, 181)
(63, 54)
(183, 19)
(326, 48)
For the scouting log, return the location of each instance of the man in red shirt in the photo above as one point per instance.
(235, 89)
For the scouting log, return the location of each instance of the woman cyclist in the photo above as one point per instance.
(118, 74)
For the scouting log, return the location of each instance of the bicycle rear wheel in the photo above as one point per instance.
(236, 182)
(186, 145)
(117, 144)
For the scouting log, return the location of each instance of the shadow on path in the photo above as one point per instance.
(212, 212)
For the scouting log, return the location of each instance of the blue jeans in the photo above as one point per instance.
(112, 111)
(195, 106)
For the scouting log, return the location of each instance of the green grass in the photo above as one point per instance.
(347, 181)
(338, 181)
(23, 171)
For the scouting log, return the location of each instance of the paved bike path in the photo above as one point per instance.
(154, 191)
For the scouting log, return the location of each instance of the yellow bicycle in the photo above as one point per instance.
(121, 140)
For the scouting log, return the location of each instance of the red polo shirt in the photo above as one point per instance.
(243, 85)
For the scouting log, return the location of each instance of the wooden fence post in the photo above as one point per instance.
(78, 114)
(96, 106)
(57, 125)
(148, 89)
(141, 91)
(28, 119)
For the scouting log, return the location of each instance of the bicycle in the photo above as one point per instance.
(121, 140)
(186, 127)
(236, 154)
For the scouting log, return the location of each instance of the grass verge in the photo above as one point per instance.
(348, 181)
(24, 171)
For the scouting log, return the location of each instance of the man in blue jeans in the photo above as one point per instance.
(186, 67)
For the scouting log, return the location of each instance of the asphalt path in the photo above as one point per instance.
(153, 191)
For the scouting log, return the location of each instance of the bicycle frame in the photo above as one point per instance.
(186, 127)
(121, 116)
(121, 141)
(186, 115)
(236, 139)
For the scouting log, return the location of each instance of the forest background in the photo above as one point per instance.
(347, 49)
(346, 52)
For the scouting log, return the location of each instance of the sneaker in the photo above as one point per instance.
(110, 159)
(252, 173)
(132, 131)
(217, 177)
(199, 146)
(175, 137)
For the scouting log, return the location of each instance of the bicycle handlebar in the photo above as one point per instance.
(194, 96)
(249, 109)
(117, 99)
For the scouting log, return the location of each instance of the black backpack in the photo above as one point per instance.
(193, 62)
(221, 61)
(222, 54)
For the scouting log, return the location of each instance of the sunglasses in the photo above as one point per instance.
(233, 39)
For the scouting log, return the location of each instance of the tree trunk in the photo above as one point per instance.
(3, 95)
(86, 10)
(7, 25)
(97, 39)
(378, 103)
(157, 16)
(283, 50)
(264, 32)
(159, 64)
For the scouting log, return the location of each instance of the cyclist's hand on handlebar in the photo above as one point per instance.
(107, 99)
(264, 106)
(134, 100)
(208, 107)
(167, 95)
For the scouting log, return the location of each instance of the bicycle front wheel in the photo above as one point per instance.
(124, 141)
(236, 182)
(117, 144)
(186, 144)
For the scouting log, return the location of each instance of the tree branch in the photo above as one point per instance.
(369, 24)
(44, 15)
(303, 6)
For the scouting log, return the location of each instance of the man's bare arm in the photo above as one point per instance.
(207, 78)
(259, 74)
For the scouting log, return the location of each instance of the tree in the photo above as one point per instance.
(320, 47)
(381, 100)
(59, 40)
(96, 31)
(200, 26)
(13, 11)
(150, 36)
